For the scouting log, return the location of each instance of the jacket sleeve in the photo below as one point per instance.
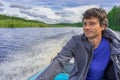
(115, 52)
(59, 61)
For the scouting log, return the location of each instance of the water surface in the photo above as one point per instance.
(24, 51)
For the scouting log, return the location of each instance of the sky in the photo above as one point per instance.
(53, 11)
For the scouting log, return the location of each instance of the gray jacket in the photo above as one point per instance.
(82, 51)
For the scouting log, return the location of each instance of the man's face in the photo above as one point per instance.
(92, 28)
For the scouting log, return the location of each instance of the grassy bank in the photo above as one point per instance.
(12, 22)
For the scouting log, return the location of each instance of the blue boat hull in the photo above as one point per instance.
(61, 76)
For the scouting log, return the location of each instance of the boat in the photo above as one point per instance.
(64, 75)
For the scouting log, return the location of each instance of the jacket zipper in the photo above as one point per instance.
(83, 77)
(88, 65)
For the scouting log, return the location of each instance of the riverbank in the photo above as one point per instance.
(15, 22)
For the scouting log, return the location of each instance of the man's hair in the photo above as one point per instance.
(96, 13)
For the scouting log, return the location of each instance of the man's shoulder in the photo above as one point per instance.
(112, 34)
(77, 36)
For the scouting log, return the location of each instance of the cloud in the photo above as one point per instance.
(1, 9)
(32, 14)
(19, 6)
(1, 4)
(44, 11)
(73, 14)
(46, 14)
(66, 13)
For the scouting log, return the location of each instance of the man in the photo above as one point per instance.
(96, 51)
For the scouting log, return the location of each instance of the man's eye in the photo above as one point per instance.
(84, 24)
(92, 23)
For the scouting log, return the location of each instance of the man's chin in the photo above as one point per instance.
(89, 36)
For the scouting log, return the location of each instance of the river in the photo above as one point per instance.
(24, 51)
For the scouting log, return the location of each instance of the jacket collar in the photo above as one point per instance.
(110, 34)
(86, 43)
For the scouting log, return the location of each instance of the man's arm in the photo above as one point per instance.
(58, 63)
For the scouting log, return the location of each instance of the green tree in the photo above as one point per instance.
(114, 18)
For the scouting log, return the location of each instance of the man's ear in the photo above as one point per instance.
(103, 27)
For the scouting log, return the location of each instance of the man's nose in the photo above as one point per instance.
(87, 26)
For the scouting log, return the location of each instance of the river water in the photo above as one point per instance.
(24, 51)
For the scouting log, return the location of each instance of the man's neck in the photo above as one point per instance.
(95, 41)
